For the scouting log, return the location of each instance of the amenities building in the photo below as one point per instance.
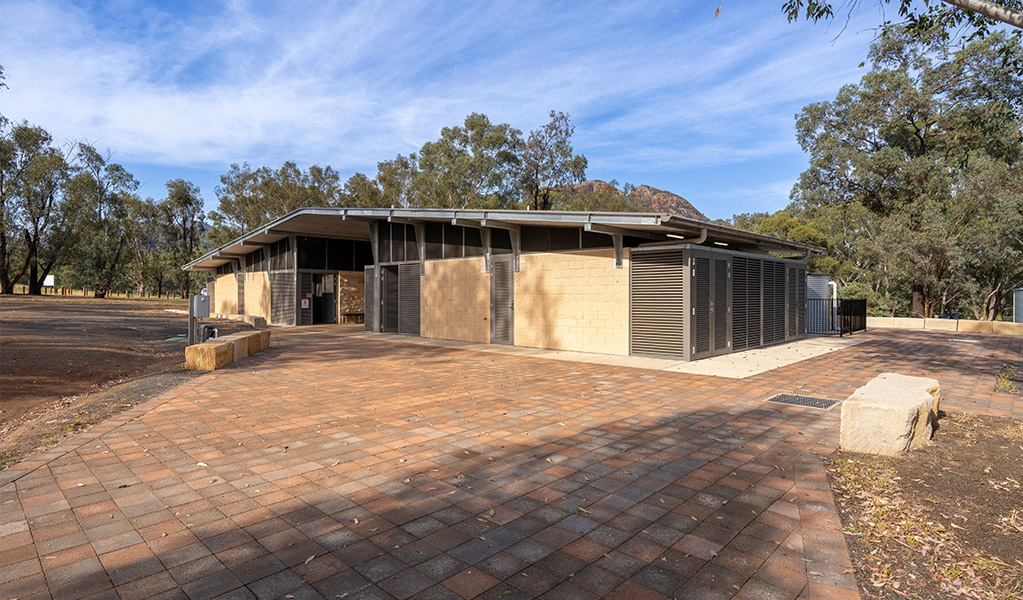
(613, 283)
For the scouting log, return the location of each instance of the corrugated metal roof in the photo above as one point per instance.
(354, 223)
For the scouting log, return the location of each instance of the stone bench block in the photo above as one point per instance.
(890, 415)
(264, 339)
(209, 356)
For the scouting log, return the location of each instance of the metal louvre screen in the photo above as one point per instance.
(701, 305)
(754, 302)
(282, 298)
(657, 308)
(501, 290)
(370, 306)
(791, 294)
(774, 302)
(740, 307)
(306, 309)
(720, 307)
(389, 288)
(801, 301)
(408, 299)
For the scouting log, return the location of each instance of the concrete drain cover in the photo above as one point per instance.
(801, 400)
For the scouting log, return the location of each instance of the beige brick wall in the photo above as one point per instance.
(225, 295)
(573, 300)
(257, 295)
(455, 301)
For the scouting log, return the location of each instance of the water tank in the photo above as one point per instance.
(818, 286)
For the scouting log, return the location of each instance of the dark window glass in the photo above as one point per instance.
(563, 238)
(312, 253)
(473, 242)
(385, 242)
(397, 242)
(434, 240)
(500, 241)
(363, 254)
(535, 239)
(339, 255)
(411, 249)
(596, 240)
(452, 241)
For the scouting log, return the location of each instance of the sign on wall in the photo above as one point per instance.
(305, 303)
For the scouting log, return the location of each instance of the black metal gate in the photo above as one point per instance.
(830, 317)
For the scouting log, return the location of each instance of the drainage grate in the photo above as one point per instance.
(801, 400)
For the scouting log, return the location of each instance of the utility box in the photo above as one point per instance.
(200, 307)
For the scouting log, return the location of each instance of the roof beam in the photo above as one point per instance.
(611, 230)
(499, 225)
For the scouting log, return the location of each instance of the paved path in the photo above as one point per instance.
(334, 466)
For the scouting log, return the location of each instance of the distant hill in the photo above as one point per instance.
(643, 197)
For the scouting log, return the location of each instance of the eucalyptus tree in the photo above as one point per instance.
(184, 227)
(35, 218)
(102, 191)
(548, 163)
(470, 166)
(905, 143)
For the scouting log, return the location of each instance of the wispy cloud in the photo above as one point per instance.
(655, 90)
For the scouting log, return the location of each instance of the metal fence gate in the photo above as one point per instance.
(828, 317)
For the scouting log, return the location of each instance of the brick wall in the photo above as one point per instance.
(257, 295)
(455, 301)
(573, 300)
(225, 295)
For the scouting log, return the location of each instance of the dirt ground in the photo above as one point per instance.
(68, 362)
(944, 521)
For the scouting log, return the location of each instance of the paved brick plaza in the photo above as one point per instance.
(338, 466)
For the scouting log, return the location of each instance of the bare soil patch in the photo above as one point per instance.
(945, 521)
(61, 359)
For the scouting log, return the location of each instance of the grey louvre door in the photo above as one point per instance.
(371, 306)
(240, 278)
(305, 298)
(657, 310)
(408, 299)
(502, 300)
(720, 307)
(711, 317)
(700, 318)
(389, 302)
(791, 313)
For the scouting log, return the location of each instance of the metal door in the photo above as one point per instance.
(324, 298)
(370, 305)
(305, 298)
(408, 299)
(389, 301)
(502, 300)
(656, 303)
(710, 318)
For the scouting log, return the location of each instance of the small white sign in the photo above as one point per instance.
(50, 281)
(305, 303)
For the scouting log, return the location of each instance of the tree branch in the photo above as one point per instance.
(990, 10)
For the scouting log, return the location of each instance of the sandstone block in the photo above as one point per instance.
(942, 324)
(890, 415)
(209, 356)
(1006, 328)
(976, 326)
(907, 323)
(264, 339)
(253, 342)
(875, 322)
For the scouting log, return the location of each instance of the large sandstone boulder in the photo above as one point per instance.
(890, 415)
(209, 356)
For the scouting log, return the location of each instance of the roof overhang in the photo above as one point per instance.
(353, 223)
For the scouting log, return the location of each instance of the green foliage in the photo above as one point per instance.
(915, 184)
(249, 198)
(928, 18)
(548, 162)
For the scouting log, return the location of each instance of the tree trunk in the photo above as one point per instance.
(919, 302)
(35, 288)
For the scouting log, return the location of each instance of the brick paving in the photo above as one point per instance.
(337, 467)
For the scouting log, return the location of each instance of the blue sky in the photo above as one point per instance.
(661, 93)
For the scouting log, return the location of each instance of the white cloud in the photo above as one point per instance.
(353, 84)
